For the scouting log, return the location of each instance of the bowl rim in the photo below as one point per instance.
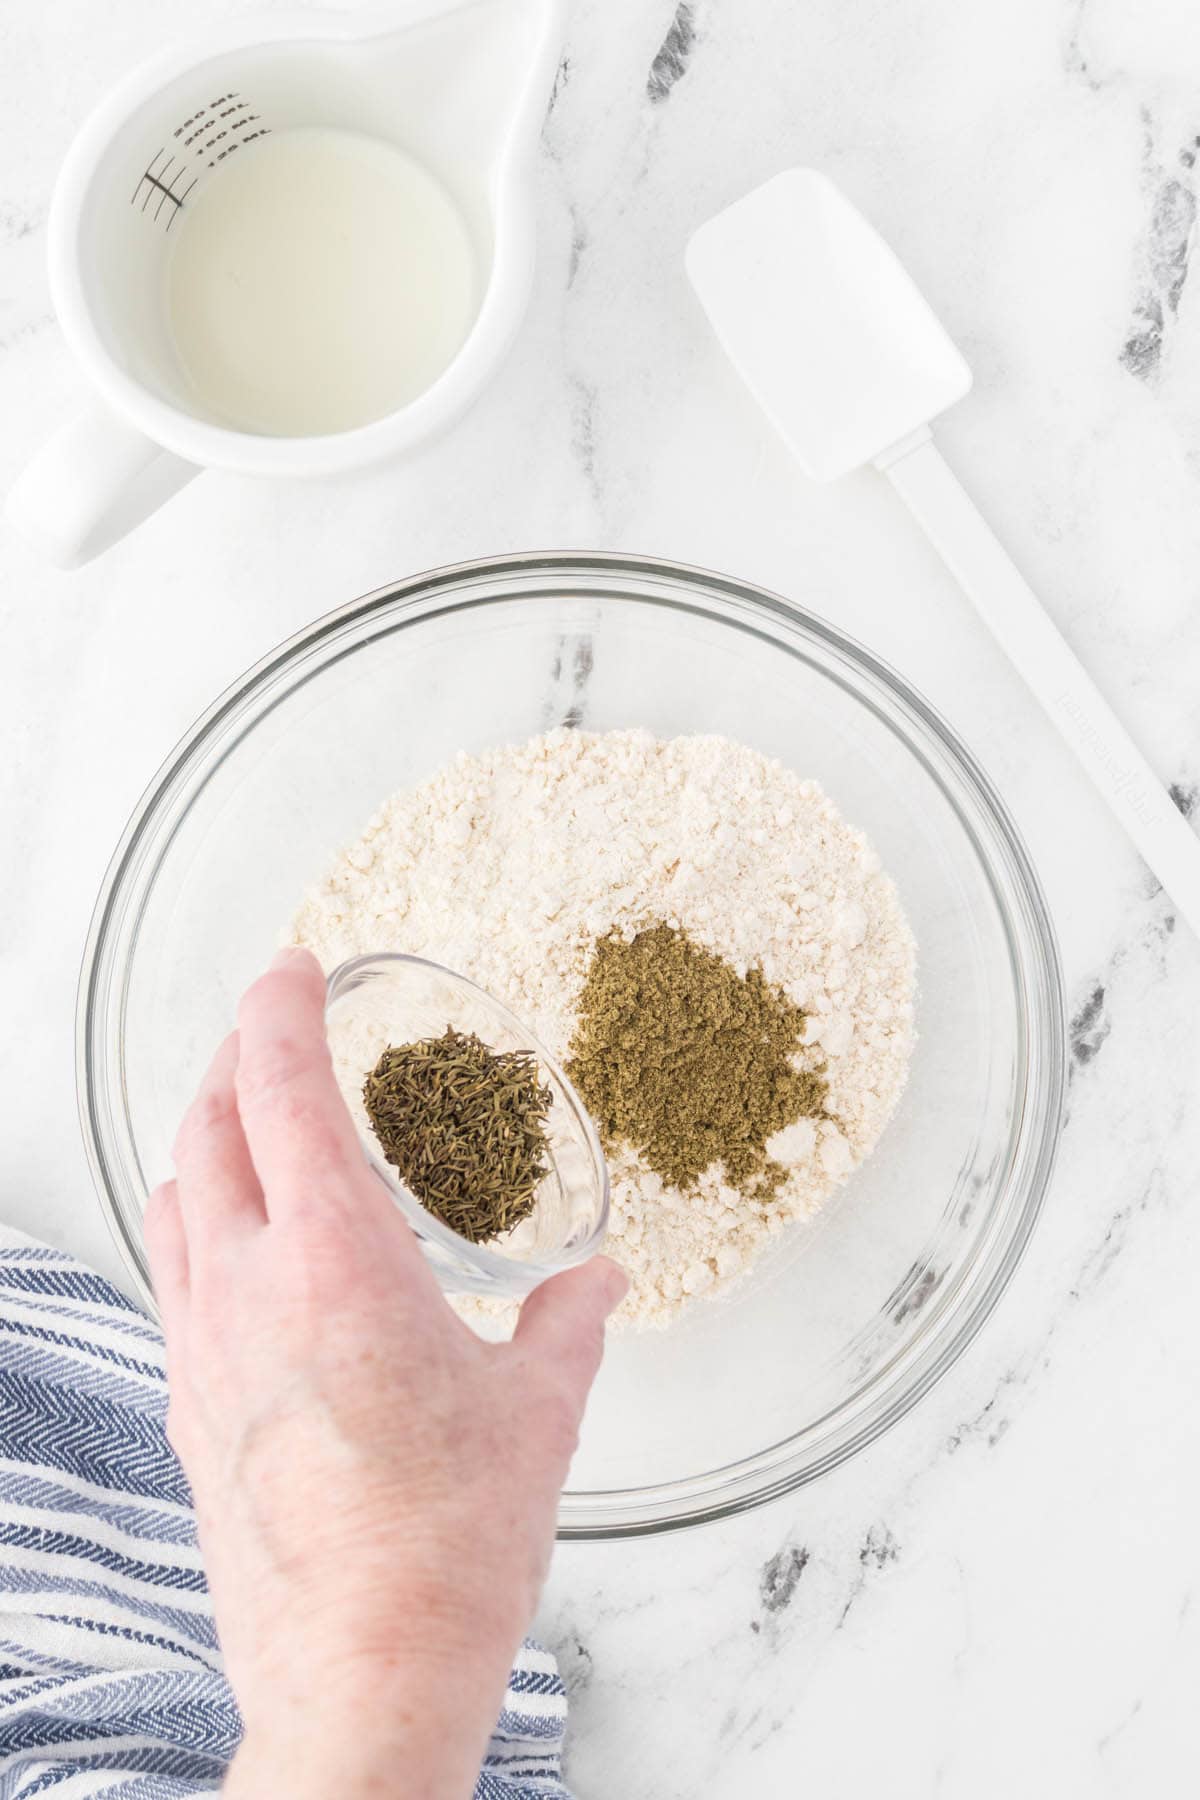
(1033, 949)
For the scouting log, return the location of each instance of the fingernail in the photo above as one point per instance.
(290, 957)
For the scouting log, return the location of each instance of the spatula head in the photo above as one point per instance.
(823, 323)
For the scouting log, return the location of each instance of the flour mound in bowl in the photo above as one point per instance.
(511, 865)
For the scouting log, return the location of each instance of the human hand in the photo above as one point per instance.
(375, 1487)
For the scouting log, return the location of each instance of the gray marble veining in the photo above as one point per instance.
(998, 1597)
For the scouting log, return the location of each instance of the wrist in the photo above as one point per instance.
(400, 1724)
(360, 1758)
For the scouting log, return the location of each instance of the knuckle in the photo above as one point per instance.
(558, 1421)
(319, 1249)
(268, 1074)
(321, 1170)
(314, 1282)
(562, 1426)
(209, 1111)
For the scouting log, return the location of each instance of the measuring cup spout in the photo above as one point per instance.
(471, 80)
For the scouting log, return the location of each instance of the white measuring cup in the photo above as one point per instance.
(461, 86)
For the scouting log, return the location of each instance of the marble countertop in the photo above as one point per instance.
(1003, 1595)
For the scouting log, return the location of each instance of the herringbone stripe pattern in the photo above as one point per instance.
(110, 1674)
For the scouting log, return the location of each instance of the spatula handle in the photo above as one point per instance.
(1043, 658)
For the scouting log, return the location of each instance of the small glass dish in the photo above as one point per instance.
(374, 1001)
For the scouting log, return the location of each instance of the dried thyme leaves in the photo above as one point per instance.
(687, 1061)
(464, 1126)
(674, 1054)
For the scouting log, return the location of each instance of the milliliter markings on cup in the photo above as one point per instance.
(159, 179)
(227, 121)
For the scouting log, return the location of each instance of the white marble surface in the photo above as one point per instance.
(1002, 1597)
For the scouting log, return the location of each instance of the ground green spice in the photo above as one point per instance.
(687, 1061)
(465, 1127)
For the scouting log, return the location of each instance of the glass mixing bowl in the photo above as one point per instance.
(845, 1322)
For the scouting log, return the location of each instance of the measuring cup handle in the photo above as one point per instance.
(94, 481)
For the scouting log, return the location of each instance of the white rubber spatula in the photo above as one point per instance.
(848, 362)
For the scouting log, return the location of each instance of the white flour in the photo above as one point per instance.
(509, 865)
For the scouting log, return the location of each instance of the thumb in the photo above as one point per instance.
(562, 1321)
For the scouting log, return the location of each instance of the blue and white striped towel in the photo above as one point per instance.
(110, 1674)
